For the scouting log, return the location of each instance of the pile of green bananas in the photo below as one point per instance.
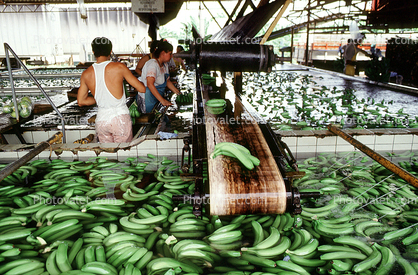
(286, 98)
(184, 98)
(236, 151)
(96, 217)
(208, 79)
(216, 106)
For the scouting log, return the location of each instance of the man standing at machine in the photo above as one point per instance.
(350, 54)
(104, 79)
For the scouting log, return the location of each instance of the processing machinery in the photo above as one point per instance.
(227, 187)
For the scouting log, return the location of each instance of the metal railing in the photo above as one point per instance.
(7, 48)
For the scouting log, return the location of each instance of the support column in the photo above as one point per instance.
(307, 35)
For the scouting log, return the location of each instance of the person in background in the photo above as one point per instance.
(140, 98)
(342, 49)
(178, 61)
(155, 76)
(145, 58)
(104, 79)
(350, 55)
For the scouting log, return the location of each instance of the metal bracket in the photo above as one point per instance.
(186, 149)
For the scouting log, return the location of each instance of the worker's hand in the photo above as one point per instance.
(166, 103)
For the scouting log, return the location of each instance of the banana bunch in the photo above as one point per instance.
(226, 237)
(18, 176)
(208, 79)
(58, 231)
(130, 269)
(110, 206)
(141, 226)
(133, 111)
(185, 212)
(112, 176)
(23, 266)
(237, 151)
(189, 228)
(198, 252)
(111, 246)
(98, 236)
(13, 222)
(184, 98)
(165, 264)
(172, 182)
(271, 247)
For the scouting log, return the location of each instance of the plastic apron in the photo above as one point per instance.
(150, 99)
(351, 69)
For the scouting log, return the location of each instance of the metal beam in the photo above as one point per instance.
(222, 6)
(233, 12)
(241, 12)
(213, 17)
(276, 20)
(298, 27)
(46, 8)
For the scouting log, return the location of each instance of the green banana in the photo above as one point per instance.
(306, 262)
(258, 261)
(62, 258)
(122, 236)
(372, 260)
(99, 268)
(342, 265)
(341, 255)
(388, 260)
(291, 267)
(273, 251)
(25, 268)
(354, 242)
(51, 265)
(308, 248)
(140, 252)
(398, 233)
(160, 264)
(75, 248)
(360, 227)
(101, 230)
(271, 240)
(15, 235)
(226, 237)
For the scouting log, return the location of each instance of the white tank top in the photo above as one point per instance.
(108, 106)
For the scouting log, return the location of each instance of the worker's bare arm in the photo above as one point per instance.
(131, 79)
(141, 64)
(83, 97)
(172, 88)
(154, 91)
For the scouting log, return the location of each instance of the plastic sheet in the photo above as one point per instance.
(166, 135)
(118, 129)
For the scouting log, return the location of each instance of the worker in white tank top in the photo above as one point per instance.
(108, 105)
(104, 80)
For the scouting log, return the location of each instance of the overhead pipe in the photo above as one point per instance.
(12, 167)
(403, 174)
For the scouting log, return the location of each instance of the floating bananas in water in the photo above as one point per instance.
(97, 217)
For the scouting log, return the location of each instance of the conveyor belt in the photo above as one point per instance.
(234, 189)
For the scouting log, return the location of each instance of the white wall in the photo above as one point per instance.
(61, 32)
